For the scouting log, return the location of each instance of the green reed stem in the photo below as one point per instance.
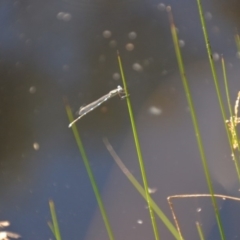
(200, 231)
(52, 228)
(55, 227)
(141, 190)
(214, 74)
(194, 119)
(234, 134)
(90, 174)
(226, 86)
(237, 41)
(138, 149)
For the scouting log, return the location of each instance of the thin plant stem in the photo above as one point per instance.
(90, 173)
(170, 203)
(215, 78)
(141, 190)
(235, 140)
(200, 231)
(194, 119)
(237, 41)
(52, 228)
(138, 149)
(55, 227)
(226, 85)
(174, 217)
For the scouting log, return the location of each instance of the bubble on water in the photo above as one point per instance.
(16, 4)
(4, 224)
(137, 67)
(36, 146)
(29, 8)
(32, 89)
(65, 67)
(129, 46)
(139, 221)
(208, 16)
(116, 76)
(112, 43)
(60, 15)
(215, 29)
(67, 17)
(3, 235)
(216, 56)
(107, 34)
(199, 209)
(22, 36)
(64, 16)
(161, 7)
(155, 110)
(28, 41)
(132, 35)
(164, 72)
(102, 58)
(146, 62)
(223, 198)
(152, 190)
(181, 43)
(19, 65)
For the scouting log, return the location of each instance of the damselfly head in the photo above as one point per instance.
(121, 92)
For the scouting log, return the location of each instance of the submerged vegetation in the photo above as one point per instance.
(231, 132)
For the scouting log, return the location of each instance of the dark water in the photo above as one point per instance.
(55, 49)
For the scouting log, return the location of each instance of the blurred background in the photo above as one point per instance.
(67, 48)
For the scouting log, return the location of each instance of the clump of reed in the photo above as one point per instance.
(231, 133)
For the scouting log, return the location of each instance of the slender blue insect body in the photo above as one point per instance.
(86, 109)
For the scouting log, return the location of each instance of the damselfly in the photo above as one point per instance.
(86, 109)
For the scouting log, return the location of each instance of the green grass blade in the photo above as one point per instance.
(215, 78)
(200, 231)
(138, 149)
(90, 174)
(194, 119)
(55, 227)
(141, 190)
